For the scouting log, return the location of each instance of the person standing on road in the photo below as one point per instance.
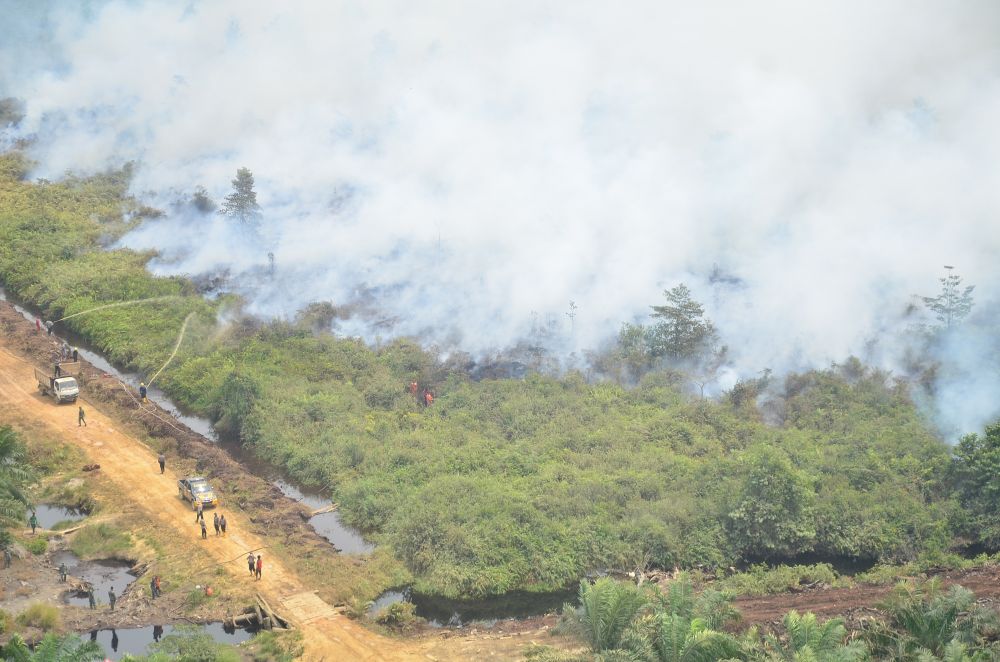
(81, 419)
(33, 521)
(63, 571)
(222, 524)
(215, 522)
(200, 515)
(162, 459)
(112, 598)
(58, 370)
(260, 565)
(251, 562)
(204, 530)
(76, 355)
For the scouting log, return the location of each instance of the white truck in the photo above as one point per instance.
(63, 387)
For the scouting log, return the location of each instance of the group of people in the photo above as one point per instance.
(219, 522)
(256, 564)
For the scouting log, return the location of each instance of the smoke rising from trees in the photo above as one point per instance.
(470, 169)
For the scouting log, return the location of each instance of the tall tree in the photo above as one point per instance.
(682, 331)
(241, 204)
(954, 303)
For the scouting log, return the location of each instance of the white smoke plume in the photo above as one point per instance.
(474, 167)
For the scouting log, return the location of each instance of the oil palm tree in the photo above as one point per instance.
(53, 648)
(681, 628)
(14, 473)
(809, 640)
(606, 609)
(926, 623)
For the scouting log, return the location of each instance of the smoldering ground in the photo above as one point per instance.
(475, 167)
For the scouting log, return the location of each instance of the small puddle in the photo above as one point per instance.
(441, 612)
(102, 574)
(48, 516)
(135, 641)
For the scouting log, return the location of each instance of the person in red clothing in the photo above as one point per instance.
(260, 565)
(413, 389)
(38, 325)
(428, 398)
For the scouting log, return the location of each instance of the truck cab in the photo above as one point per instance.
(64, 388)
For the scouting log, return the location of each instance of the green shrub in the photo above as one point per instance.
(37, 545)
(5, 622)
(39, 615)
(762, 580)
(276, 646)
(399, 615)
(189, 643)
(100, 541)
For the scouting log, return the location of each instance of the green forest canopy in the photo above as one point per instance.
(507, 484)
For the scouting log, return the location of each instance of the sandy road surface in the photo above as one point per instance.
(125, 460)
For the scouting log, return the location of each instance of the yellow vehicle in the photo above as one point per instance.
(194, 489)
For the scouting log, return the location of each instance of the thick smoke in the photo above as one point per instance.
(471, 168)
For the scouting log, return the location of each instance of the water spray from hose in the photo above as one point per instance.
(177, 345)
(119, 304)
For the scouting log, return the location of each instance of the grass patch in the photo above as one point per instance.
(195, 598)
(40, 615)
(37, 545)
(5, 622)
(62, 525)
(762, 580)
(100, 541)
(276, 646)
(924, 565)
(540, 653)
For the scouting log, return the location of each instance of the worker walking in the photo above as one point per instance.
(260, 565)
(90, 597)
(58, 370)
(204, 530)
(142, 392)
(112, 598)
(162, 459)
(63, 571)
(215, 522)
(76, 355)
(156, 586)
(33, 521)
(81, 419)
(200, 515)
(6, 557)
(222, 524)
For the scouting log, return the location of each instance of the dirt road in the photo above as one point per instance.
(128, 462)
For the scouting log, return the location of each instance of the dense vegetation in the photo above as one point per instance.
(15, 473)
(509, 484)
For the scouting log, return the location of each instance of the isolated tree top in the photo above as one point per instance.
(242, 202)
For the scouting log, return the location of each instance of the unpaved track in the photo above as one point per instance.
(130, 463)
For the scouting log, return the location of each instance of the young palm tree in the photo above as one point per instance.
(926, 623)
(67, 648)
(680, 629)
(808, 640)
(606, 609)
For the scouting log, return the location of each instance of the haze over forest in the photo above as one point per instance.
(469, 170)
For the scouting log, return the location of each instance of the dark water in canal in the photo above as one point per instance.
(135, 641)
